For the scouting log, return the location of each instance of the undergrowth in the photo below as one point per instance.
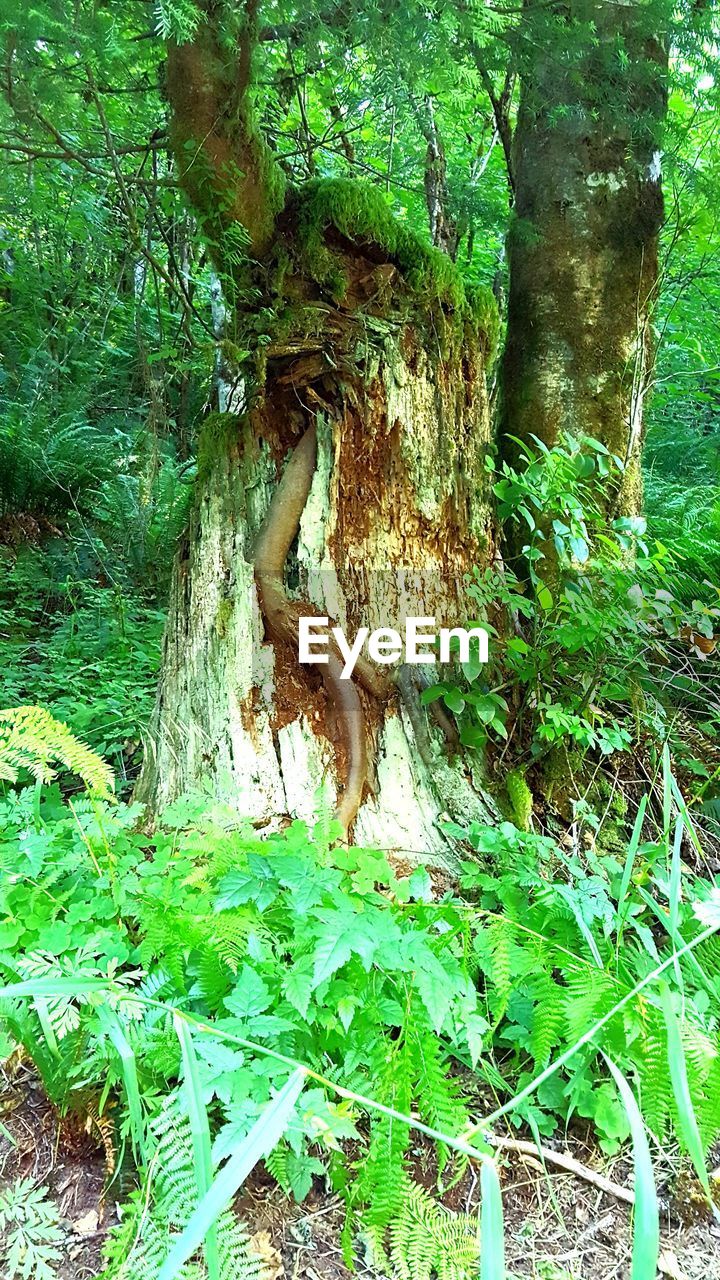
(172, 983)
(64, 632)
(291, 949)
(602, 643)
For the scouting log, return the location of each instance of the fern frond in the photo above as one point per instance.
(427, 1240)
(547, 1016)
(656, 1095)
(276, 1164)
(500, 970)
(383, 1179)
(30, 738)
(163, 1206)
(436, 1093)
(589, 994)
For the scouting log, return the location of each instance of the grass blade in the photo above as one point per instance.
(677, 941)
(675, 893)
(629, 863)
(6, 1134)
(264, 1135)
(132, 1089)
(492, 1230)
(537, 1139)
(685, 816)
(681, 1091)
(200, 1132)
(667, 796)
(40, 1005)
(675, 878)
(77, 986)
(646, 1218)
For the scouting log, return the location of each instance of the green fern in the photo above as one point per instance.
(548, 1016)
(428, 1242)
(161, 1207)
(30, 738)
(497, 944)
(382, 1180)
(276, 1164)
(436, 1092)
(589, 994)
(656, 1097)
(30, 1232)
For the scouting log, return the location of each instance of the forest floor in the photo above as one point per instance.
(557, 1226)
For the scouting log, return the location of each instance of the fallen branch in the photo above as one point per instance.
(569, 1163)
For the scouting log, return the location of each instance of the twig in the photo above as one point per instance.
(569, 1163)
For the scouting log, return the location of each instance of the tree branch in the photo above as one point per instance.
(226, 168)
(500, 104)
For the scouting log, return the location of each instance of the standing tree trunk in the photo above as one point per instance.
(444, 231)
(366, 391)
(583, 242)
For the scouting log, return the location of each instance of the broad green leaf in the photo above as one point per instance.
(330, 954)
(250, 994)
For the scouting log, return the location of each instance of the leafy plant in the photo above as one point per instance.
(286, 950)
(427, 1240)
(589, 631)
(160, 1208)
(30, 1232)
(30, 738)
(63, 634)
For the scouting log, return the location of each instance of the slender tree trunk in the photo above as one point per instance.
(583, 241)
(364, 345)
(443, 225)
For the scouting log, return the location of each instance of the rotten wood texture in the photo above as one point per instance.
(276, 536)
(395, 516)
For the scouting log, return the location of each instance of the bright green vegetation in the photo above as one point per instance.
(362, 214)
(224, 999)
(608, 646)
(289, 950)
(63, 634)
(30, 1231)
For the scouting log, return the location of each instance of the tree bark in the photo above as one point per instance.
(583, 242)
(443, 225)
(364, 342)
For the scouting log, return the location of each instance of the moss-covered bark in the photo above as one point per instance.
(396, 518)
(357, 328)
(583, 243)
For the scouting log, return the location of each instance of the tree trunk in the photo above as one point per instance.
(443, 225)
(362, 342)
(583, 242)
(394, 520)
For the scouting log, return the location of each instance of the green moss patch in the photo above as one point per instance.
(216, 430)
(359, 212)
